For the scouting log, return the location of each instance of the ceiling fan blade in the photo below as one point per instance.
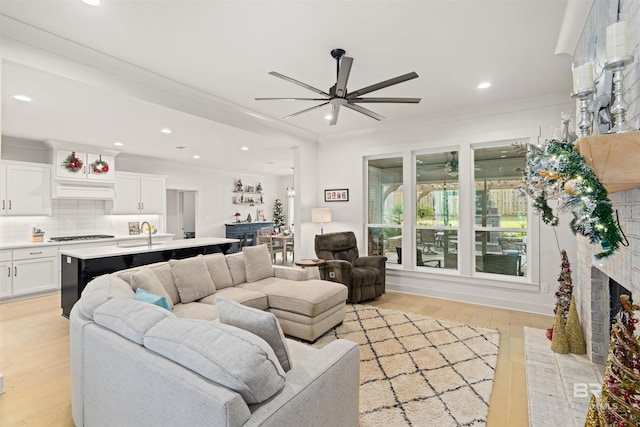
(335, 109)
(382, 85)
(304, 85)
(306, 110)
(291, 99)
(387, 100)
(343, 76)
(364, 111)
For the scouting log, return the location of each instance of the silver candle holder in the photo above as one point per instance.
(619, 106)
(584, 118)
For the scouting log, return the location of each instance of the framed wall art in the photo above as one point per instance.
(336, 195)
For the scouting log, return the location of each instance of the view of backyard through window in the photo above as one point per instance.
(498, 211)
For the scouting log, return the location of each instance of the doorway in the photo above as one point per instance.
(181, 213)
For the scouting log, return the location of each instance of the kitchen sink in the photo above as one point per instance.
(139, 245)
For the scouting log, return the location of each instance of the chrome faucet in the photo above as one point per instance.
(149, 227)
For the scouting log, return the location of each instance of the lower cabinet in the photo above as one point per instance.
(246, 232)
(28, 270)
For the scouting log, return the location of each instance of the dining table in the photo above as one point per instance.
(284, 239)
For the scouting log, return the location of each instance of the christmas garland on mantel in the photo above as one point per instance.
(557, 170)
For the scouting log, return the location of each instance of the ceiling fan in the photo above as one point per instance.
(338, 95)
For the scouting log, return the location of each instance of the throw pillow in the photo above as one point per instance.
(162, 270)
(129, 318)
(145, 279)
(236, 268)
(257, 260)
(261, 323)
(247, 365)
(192, 278)
(219, 270)
(146, 296)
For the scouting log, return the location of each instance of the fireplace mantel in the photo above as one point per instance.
(615, 159)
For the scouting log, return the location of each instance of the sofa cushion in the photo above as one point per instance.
(236, 268)
(162, 270)
(145, 279)
(196, 310)
(102, 289)
(309, 298)
(247, 365)
(129, 318)
(146, 296)
(257, 260)
(243, 296)
(261, 323)
(192, 278)
(218, 270)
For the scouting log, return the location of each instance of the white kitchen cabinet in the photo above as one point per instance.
(25, 189)
(29, 270)
(95, 167)
(139, 194)
(5, 273)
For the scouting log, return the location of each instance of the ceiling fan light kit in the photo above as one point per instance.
(338, 96)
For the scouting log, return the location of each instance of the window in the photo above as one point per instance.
(500, 211)
(385, 207)
(437, 211)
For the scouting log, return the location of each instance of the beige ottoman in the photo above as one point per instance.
(307, 309)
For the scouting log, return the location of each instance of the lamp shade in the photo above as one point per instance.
(321, 215)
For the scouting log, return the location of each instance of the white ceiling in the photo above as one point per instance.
(196, 66)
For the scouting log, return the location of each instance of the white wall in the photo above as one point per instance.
(341, 165)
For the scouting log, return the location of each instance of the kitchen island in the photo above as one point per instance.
(80, 266)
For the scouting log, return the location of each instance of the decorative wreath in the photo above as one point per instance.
(556, 169)
(72, 163)
(100, 166)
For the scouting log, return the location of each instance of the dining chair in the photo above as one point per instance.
(264, 238)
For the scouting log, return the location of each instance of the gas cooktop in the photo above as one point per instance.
(83, 237)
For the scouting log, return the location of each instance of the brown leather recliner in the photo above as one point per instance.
(365, 277)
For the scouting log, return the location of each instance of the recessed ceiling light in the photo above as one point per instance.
(484, 85)
(327, 117)
(244, 148)
(91, 2)
(196, 156)
(165, 130)
(24, 98)
(118, 143)
(503, 156)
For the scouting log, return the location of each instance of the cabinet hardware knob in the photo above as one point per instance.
(8, 271)
(15, 271)
(9, 204)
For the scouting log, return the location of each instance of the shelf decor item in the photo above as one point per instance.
(100, 166)
(583, 89)
(618, 56)
(72, 163)
(237, 215)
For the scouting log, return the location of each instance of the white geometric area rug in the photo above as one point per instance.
(419, 371)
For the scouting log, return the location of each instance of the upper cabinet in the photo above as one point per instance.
(139, 194)
(25, 189)
(81, 166)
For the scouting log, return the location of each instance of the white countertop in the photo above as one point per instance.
(109, 241)
(107, 251)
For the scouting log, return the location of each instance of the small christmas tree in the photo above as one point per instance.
(620, 402)
(565, 290)
(278, 214)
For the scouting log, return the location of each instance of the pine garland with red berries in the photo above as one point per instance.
(72, 163)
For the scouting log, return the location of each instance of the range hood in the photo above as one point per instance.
(81, 171)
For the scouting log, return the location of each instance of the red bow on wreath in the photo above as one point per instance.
(72, 163)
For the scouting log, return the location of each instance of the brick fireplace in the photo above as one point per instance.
(591, 289)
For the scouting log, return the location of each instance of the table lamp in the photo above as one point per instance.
(321, 215)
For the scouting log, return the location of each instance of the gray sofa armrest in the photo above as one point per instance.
(321, 390)
(291, 273)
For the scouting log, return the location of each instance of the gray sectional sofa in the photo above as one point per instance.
(217, 360)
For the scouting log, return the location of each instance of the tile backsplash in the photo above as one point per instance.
(71, 217)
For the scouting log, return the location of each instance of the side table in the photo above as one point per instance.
(320, 263)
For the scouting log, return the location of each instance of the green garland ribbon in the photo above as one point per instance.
(556, 169)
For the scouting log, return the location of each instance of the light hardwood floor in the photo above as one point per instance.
(34, 357)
